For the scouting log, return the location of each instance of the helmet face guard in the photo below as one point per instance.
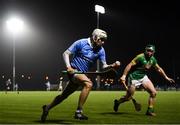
(99, 34)
(150, 48)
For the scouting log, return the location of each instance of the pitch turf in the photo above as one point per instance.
(25, 108)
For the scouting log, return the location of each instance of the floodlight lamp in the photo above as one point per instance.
(15, 25)
(99, 9)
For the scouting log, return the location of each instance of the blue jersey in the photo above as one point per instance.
(84, 56)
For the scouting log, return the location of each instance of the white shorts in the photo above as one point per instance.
(140, 81)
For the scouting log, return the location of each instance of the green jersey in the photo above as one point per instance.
(142, 65)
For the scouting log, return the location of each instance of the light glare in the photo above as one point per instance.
(99, 9)
(15, 25)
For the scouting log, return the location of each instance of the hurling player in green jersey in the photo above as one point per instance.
(136, 71)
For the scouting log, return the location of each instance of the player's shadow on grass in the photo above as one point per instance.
(55, 122)
(120, 113)
(114, 113)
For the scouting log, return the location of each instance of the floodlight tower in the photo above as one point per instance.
(99, 9)
(15, 26)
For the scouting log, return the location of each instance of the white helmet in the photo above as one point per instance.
(98, 33)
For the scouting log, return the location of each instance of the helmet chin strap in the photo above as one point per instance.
(95, 38)
(94, 43)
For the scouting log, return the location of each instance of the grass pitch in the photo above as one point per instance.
(25, 108)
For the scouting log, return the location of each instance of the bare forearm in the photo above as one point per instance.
(113, 65)
(162, 73)
(127, 69)
(66, 55)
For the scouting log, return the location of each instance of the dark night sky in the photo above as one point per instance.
(53, 25)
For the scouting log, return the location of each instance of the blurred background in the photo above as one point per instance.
(50, 27)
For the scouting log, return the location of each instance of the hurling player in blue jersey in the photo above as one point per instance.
(85, 53)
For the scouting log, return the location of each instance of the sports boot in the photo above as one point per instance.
(116, 105)
(80, 116)
(44, 114)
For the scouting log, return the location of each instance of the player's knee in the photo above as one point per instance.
(89, 84)
(153, 94)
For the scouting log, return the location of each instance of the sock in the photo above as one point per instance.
(150, 109)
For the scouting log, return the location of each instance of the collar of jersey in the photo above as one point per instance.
(89, 41)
